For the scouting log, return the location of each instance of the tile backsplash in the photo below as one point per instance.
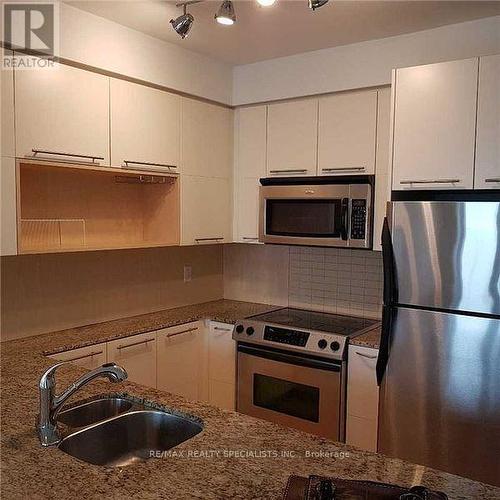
(336, 280)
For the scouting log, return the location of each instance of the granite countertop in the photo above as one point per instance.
(235, 456)
(368, 339)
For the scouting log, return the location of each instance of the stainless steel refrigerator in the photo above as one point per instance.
(439, 361)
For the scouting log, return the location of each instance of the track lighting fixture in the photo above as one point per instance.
(316, 4)
(182, 24)
(226, 15)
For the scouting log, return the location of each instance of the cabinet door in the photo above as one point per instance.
(292, 138)
(250, 167)
(7, 109)
(247, 210)
(62, 110)
(145, 127)
(362, 389)
(137, 354)
(382, 165)
(362, 398)
(206, 210)
(222, 366)
(8, 207)
(434, 125)
(347, 129)
(487, 174)
(89, 357)
(207, 139)
(180, 360)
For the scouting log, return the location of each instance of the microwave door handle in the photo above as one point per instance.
(345, 218)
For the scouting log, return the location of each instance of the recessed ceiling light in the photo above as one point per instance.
(266, 3)
(226, 15)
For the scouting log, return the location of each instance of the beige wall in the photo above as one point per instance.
(42, 293)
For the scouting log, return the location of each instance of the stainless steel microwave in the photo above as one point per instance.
(320, 211)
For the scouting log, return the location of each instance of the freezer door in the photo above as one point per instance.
(447, 254)
(440, 396)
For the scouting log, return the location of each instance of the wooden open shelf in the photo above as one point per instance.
(65, 207)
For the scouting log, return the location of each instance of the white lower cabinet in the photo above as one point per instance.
(195, 360)
(180, 360)
(222, 366)
(362, 398)
(137, 354)
(88, 357)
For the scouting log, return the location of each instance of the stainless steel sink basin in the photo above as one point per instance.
(94, 411)
(129, 437)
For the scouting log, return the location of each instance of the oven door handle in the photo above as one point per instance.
(345, 218)
(293, 359)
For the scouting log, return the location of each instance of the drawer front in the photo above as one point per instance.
(89, 357)
(137, 354)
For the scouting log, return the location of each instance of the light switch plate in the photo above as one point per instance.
(187, 273)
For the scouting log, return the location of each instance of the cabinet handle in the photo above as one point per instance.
(342, 169)
(135, 343)
(183, 331)
(431, 181)
(74, 155)
(250, 238)
(289, 171)
(494, 179)
(89, 355)
(147, 164)
(367, 356)
(223, 329)
(209, 239)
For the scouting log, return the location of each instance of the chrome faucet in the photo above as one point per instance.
(50, 404)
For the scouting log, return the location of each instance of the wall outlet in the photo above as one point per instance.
(188, 271)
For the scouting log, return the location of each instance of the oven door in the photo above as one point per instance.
(304, 214)
(291, 390)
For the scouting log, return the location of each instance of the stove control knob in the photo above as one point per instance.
(240, 329)
(322, 343)
(335, 346)
(250, 330)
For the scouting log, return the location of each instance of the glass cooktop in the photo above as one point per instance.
(311, 320)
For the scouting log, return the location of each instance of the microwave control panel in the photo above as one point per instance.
(358, 219)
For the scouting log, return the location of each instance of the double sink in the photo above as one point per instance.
(116, 431)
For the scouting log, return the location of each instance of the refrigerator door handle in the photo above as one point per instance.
(390, 299)
(383, 353)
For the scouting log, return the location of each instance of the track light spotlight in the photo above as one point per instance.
(182, 24)
(316, 4)
(225, 14)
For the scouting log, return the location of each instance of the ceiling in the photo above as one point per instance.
(289, 26)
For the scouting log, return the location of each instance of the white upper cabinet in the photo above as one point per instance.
(7, 110)
(347, 129)
(207, 139)
(206, 210)
(292, 138)
(487, 174)
(382, 165)
(434, 125)
(62, 110)
(251, 141)
(145, 127)
(250, 154)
